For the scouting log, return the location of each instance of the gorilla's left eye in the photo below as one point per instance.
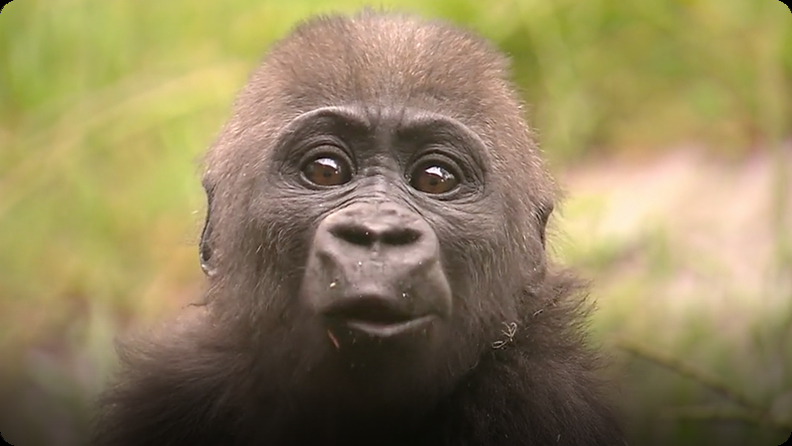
(433, 179)
(327, 171)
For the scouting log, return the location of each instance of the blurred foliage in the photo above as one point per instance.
(106, 106)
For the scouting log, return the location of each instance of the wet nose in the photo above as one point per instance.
(374, 226)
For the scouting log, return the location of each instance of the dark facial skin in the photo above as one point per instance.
(374, 268)
(386, 198)
(374, 281)
(374, 250)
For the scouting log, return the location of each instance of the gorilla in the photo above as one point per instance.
(374, 247)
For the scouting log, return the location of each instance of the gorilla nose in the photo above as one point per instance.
(377, 267)
(372, 232)
(376, 248)
(375, 226)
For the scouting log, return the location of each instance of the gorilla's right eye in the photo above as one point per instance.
(434, 178)
(327, 171)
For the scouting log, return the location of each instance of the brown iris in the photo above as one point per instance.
(327, 171)
(433, 179)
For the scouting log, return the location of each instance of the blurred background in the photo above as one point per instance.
(668, 121)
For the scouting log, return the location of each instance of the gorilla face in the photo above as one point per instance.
(388, 248)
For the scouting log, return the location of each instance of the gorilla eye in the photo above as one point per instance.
(433, 179)
(327, 171)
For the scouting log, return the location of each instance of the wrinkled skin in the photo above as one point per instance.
(374, 250)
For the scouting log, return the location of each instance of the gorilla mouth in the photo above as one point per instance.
(376, 316)
(383, 330)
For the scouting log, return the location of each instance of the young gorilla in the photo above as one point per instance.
(374, 246)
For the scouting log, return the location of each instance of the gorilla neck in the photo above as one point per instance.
(489, 405)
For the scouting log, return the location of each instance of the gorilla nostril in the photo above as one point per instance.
(361, 235)
(400, 236)
(356, 235)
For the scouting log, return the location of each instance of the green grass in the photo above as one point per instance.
(106, 107)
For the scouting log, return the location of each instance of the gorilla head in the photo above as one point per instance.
(374, 246)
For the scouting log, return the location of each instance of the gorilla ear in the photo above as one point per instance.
(542, 216)
(205, 249)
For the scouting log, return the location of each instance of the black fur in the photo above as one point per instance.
(250, 367)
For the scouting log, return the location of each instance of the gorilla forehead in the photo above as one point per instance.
(374, 60)
(371, 59)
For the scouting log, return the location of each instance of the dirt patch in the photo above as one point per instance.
(721, 225)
